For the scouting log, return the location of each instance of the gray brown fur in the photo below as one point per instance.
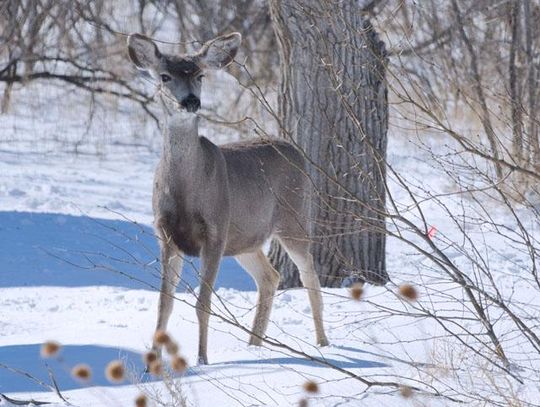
(212, 201)
(257, 174)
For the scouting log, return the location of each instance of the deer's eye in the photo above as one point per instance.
(165, 77)
(199, 78)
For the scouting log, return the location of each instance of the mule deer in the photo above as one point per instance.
(212, 201)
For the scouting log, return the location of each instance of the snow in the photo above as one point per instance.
(79, 266)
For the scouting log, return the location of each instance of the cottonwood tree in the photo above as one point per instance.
(333, 104)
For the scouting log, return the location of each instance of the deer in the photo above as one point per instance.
(212, 201)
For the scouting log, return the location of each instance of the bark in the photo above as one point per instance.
(333, 104)
(532, 83)
(515, 93)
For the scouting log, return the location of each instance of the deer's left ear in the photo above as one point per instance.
(220, 52)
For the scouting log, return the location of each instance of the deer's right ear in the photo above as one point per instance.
(143, 52)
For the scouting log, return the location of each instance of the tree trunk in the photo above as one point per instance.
(333, 104)
(515, 92)
(532, 83)
(485, 116)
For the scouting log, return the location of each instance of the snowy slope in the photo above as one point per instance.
(78, 265)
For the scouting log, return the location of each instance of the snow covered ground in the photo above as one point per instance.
(90, 283)
(78, 264)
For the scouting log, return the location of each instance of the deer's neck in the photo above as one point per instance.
(180, 138)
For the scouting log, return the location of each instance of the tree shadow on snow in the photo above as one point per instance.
(44, 249)
(350, 363)
(26, 358)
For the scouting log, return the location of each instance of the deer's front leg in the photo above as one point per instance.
(171, 269)
(210, 255)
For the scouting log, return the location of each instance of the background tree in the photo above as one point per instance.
(476, 59)
(333, 104)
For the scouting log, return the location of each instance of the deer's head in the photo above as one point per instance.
(180, 76)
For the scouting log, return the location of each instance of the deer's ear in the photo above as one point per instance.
(220, 52)
(143, 52)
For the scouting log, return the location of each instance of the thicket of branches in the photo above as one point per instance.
(478, 54)
(82, 44)
(475, 58)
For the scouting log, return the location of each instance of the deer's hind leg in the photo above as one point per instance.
(298, 250)
(267, 280)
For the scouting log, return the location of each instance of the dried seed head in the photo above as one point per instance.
(50, 349)
(405, 391)
(408, 291)
(115, 371)
(311, 387)
(357, 291)
(81, 372)
(161, 338)
(156, 368)
(179, 364)
(140, 401)
(150, 357)
(303, 403)
(171, 348)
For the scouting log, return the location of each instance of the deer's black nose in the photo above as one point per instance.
(191, 103)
